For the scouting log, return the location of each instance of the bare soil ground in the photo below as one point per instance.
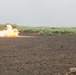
(38, 55)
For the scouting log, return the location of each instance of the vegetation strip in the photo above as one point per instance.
(43, 30)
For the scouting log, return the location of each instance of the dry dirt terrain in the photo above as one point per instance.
(37, 55)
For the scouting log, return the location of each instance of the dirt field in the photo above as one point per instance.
(37, 55)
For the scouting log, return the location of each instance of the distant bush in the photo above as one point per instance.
(42, 30)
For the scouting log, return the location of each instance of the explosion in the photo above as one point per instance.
(9, 32)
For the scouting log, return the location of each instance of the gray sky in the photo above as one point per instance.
(38, 12)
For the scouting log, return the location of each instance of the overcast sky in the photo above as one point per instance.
(38, 12)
